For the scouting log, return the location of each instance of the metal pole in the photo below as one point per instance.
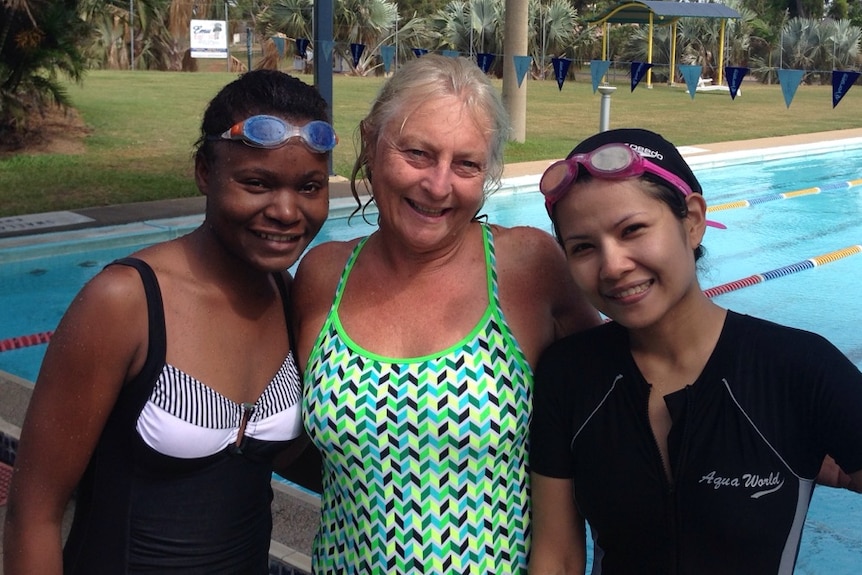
(248, 45)
(132, 33)
(471, 30)
(322, 32)
(544, 38)
(605, 110)
(227, 35)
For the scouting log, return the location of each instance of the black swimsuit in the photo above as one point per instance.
(202, 507)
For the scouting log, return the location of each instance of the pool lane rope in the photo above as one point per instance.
(783, 271)
(784, 195)
(45, 336)
(25, 340)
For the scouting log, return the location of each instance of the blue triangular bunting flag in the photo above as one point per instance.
(420, 52)
(301, 46)
(691, 75)
(356, 52)
(522, 66)
(598, 69)
(326, 47)
(450, 53)
(561, 68)
(279, 45)
(638, 71)
(842, 81)
(734, 75)
(484, 61)
(388, 54)
(789, 80)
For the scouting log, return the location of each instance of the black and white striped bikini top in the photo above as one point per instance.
(186, 418)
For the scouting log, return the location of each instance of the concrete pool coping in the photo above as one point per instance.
(295, 512)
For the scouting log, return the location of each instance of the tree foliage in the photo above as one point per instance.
(39, 41)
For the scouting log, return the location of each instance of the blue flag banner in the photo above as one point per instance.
(789, 80)
(842, 81)
(561, 68)
(279, 45)
(450, 53)
(734, 75)
(522, 66)
(484, 61)
(356, 51)
(598, 69)
(301, 46)
(388, 55)
(639, 70)
(326, 47)
(420, 52)
(691, 75)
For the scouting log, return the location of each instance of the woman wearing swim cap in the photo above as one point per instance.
(687, 435)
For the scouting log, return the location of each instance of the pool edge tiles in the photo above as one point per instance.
(21, 248)
(41, 221)
(699, 160)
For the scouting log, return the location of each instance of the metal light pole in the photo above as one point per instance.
(605, 107)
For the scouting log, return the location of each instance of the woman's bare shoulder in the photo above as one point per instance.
(325, 259)
(527, 246)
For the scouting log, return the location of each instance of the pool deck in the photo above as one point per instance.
(294, 511)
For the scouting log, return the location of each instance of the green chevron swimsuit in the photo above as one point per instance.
(424, 458)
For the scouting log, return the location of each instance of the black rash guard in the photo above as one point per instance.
(747, 441)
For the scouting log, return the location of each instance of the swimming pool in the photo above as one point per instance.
(770, 234)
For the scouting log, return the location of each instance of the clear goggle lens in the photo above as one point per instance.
(272, 132)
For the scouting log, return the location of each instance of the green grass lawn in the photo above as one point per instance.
(143, 124)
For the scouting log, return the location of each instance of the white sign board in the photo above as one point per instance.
(209, 39)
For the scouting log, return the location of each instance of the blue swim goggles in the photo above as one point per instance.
(271, 132)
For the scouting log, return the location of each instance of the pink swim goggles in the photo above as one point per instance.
(613, 161)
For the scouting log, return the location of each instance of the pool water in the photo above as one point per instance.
(34, 291)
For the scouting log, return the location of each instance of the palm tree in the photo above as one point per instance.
(39, 40)
(554, 31)
(160, 29)
(367, 22)
(802, 41)
(471, 27)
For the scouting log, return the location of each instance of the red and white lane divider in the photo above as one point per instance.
(25, 340)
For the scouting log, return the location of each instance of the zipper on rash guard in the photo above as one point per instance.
(669, 493)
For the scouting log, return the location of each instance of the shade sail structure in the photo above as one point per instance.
(665, 13)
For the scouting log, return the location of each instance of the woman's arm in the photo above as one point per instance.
(831, 475)
(100, 341)
(559, 546)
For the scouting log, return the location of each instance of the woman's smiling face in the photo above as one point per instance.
(265, 205)
(429, 172)
(628, 253)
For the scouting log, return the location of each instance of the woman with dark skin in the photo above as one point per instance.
(689, 436)
(170, 389)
